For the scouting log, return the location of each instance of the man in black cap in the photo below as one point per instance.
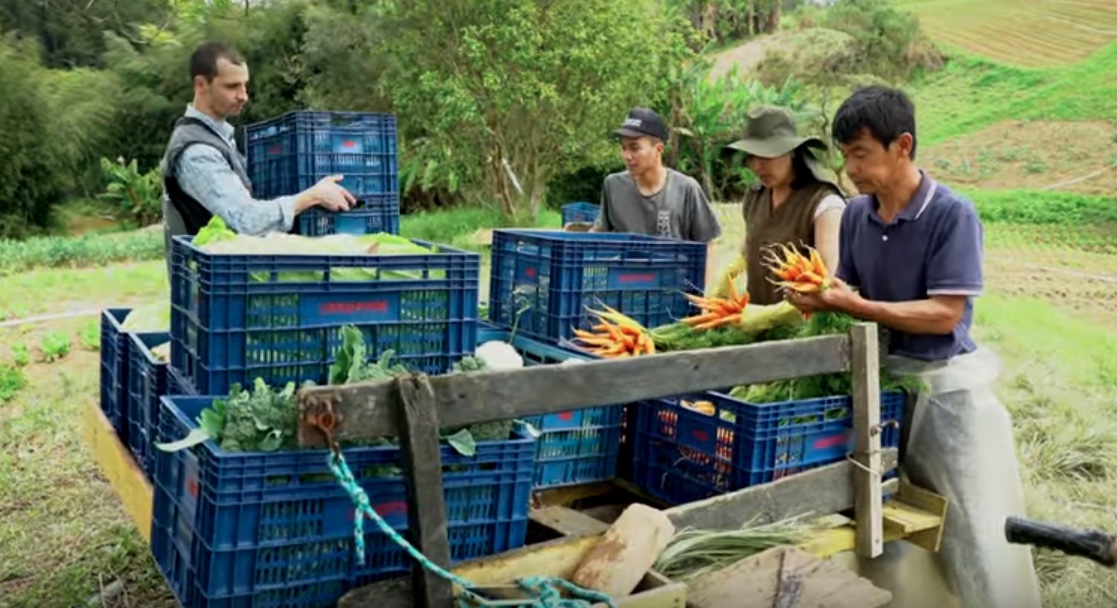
(650, 198)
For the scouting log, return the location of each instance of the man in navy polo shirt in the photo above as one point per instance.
(911, 260)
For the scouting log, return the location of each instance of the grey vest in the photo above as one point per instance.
(182, 214)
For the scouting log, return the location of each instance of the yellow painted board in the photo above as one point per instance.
(118, 466)
(908, 518)
(901, 520)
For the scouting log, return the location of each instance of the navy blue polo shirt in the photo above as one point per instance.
(932, 247)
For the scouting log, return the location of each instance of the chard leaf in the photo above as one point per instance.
(463, 443)
(195, 437)
(272, 441)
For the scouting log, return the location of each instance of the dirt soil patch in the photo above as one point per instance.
(1084, 293)
(744, 57)
(1020, 33)
(1030, 154)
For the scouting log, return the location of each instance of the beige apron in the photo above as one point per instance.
(961, 447)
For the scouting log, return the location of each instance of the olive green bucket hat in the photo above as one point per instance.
(771, 133)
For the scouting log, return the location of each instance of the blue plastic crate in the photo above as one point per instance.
(556, 275)
(574, 447)
(276, 529)
(580, 213)
(238, 317)
(292, 152)
(176, 386)
(373, 214)
(147, 383)
(114, 369)
(683, 455)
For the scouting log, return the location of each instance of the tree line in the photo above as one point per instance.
(505, 103)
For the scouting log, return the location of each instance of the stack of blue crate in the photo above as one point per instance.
(276, 527)
(292, 152)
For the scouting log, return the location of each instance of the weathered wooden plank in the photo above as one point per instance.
(559, 557)
(426, 508)
(566, 495)
(820, 491)
(364, 410)
(606, 514)
(865, 370)
(568, 522)
(765, 579)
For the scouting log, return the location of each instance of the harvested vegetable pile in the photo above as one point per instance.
(275, 308)
(693, 553)
(717, 312)
(798, 272)
(263, 420)
(350, 366)
(266, 420)
(825, 385)
(756, 323)
(216, 238)
(615, 335)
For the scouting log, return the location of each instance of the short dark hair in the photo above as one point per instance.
(884, 112)
(203, 62)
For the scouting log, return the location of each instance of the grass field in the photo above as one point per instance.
(973, 93)
(1032, 34)
(997, 133)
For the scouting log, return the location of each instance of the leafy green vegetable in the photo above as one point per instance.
(680, 336)
(215, 231)
(350, 366)
(267, 421)
(351, 363)
(469, 364)
(259, 421)
(216, 238)
(825, 385)
(463, 442)
(692, 553)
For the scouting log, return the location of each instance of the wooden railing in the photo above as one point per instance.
(415, 407)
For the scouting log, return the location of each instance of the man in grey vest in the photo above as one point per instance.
(650, 198)
(204, 174)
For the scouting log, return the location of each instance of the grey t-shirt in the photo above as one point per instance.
(679, 210)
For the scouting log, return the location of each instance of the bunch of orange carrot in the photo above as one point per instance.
(717, 311)
(798, 272)
(615, 335)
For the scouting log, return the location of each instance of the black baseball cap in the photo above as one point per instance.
(642, 122)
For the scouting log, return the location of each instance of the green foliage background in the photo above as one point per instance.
(504, 105)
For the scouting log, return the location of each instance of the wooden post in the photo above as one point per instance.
(426, 504)
(865, 368)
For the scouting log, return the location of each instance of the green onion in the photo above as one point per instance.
(693, 553)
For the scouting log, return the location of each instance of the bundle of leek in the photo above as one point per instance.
(694, 553)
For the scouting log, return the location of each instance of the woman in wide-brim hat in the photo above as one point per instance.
(797, 202)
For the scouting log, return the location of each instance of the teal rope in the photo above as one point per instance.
(547, 589)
